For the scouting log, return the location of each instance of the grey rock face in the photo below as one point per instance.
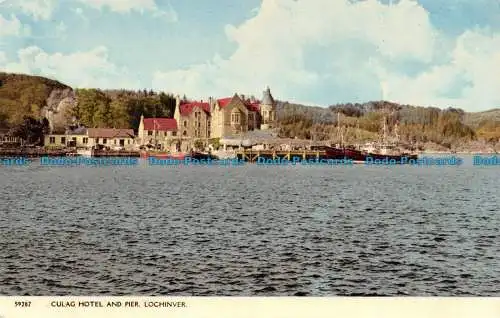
(60, 103)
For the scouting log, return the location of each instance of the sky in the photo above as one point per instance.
(442, 53)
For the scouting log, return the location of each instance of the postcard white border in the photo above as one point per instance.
(257, 307)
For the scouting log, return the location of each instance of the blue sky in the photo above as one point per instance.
(321, 52)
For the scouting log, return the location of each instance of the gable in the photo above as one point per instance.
(236, 103)
(186, 109)
(248, 105)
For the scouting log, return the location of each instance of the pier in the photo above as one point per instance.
(104, 153)
(254, 155)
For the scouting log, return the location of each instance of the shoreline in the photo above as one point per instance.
(429, 152)
(69, 154)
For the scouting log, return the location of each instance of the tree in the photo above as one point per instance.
(3, 120)
(198, 144)
(31, 130)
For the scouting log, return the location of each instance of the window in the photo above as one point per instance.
(174, 133)
(63, 140)
(185, 123)
(184, 133)
(150, 133)
(122, 142)
(104, 141)
(235, 118)
(85, 140)
(129, 141)
(199, 124)
(115, 141)
(52, 140)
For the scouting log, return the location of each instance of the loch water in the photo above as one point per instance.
(250, 230)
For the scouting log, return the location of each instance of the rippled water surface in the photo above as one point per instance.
(250, 231)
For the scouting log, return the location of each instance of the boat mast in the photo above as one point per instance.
(357, 132)
(396, 132)
(340, 135)
(384, 133)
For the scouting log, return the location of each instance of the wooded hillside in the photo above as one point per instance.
(24, 96)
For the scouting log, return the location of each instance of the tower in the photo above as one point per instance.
(140, 130)
(177, 111)
(267, 110)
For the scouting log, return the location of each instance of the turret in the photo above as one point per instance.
(140, 130)
(267, 110)
(267, 98)
(177, 111)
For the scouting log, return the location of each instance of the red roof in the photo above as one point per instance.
(252, 106)
(223, 102)
(187, 108)
(160, 124)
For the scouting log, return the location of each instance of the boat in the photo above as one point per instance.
(85, 152)
(202, 156)
(385, 150)
(225, 154)
(355, 155)
(380, 152)
(334, 153)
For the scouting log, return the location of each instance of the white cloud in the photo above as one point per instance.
(43, 9)
(80, 69)
(273, 46)
(125, 6)
(331, 50)
(469, 79)
(10, 26)
(38, 9)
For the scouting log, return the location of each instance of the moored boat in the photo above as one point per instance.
(85, 152)
(388, 152)
(333, 153)
(202, 156)
(402, 158)
(365, 156)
